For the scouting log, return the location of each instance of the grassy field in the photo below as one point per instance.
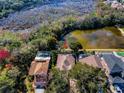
(122, 28)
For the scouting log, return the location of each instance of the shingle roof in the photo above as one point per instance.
(115, 65)
(118, 80)
(111, 60)
(65, 61)
(116, 68)
(92, 60)
(39, 67)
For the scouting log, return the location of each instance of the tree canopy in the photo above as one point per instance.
(9, 6)
(89, 79)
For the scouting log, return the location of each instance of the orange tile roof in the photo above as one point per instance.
(39, 67)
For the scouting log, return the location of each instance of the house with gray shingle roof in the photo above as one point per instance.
(116, 70)
(117, 80)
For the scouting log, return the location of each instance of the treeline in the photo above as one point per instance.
(9, 6)
(104, 10)
(47, 38)
(50, 34)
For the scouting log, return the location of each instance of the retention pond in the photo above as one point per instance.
(105, 38)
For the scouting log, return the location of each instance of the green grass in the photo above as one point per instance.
(122, 28)
(9, 36)
(120, 53)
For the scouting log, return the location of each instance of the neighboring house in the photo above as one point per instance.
(92, 60)
(117, 4)
(115, 71)
(65, 61)
(39, 69)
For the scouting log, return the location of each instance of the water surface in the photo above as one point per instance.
(106, 38)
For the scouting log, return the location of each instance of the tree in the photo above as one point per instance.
(87, 77)
(75, 46)
(8, 80)
(4, 54)
(40, 44)
(53, 58)
(92, 86)
(58, 83)
(9, 6)
(51, 42)
(13, 73)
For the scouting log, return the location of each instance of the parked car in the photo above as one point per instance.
(39, 90)
(42, 56)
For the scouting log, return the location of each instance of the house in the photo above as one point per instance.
(117, 4)
(65, 61)
(92, 60)
(115, 71)
(113, 67)
(39, 69)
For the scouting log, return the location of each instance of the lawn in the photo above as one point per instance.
(120, 53)
(122, 28)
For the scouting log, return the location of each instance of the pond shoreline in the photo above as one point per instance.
(121, 30)
(104, 38)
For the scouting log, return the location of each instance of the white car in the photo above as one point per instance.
(39, 91)
(42, 56)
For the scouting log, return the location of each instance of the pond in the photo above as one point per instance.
(105, 38)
